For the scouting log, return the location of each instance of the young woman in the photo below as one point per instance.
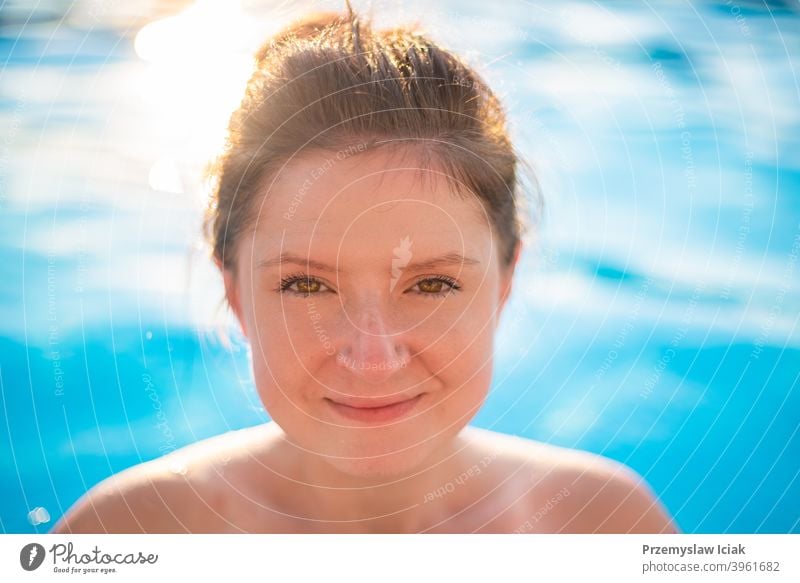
(367, 222)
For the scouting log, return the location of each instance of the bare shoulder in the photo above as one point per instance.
(574, 491)
(176, 493)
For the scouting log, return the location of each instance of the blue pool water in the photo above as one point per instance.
(654, 321)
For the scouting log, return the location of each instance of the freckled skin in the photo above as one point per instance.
(374, 326)
(355, 218)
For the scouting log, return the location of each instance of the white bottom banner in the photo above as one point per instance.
(351, 558)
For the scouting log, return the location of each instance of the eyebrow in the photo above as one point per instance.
(448, 259)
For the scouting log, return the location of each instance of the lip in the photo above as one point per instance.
(360, 411)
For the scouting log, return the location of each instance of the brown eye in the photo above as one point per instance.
(308, 286)
(431, 286)
(302, 285)
(436, 286)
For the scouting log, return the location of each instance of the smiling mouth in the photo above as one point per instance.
(373, 414)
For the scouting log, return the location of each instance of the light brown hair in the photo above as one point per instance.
(331, 80)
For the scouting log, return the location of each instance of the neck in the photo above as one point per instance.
(333, 501)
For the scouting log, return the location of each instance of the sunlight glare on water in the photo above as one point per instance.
(654, 317)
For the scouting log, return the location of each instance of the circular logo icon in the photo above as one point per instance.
(31, 556)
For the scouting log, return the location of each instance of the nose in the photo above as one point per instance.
(371, 349)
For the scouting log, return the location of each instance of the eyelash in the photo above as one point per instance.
(289, 280)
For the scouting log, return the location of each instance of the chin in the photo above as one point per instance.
(381, 453)
(400, 452)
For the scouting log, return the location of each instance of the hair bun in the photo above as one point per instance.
(310, 25)
(304, 28)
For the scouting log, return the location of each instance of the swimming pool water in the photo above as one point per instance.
(654, 320)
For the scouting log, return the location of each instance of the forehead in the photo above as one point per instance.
(368, 201)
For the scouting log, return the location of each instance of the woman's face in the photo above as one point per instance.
(370, 293)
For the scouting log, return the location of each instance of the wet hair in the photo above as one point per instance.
(332, 82)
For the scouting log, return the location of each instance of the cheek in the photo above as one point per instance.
(284, 393)
(465, 376)
(464, 336)
(307, 323)
(288, 338)
(461, 357)
(279, 347)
